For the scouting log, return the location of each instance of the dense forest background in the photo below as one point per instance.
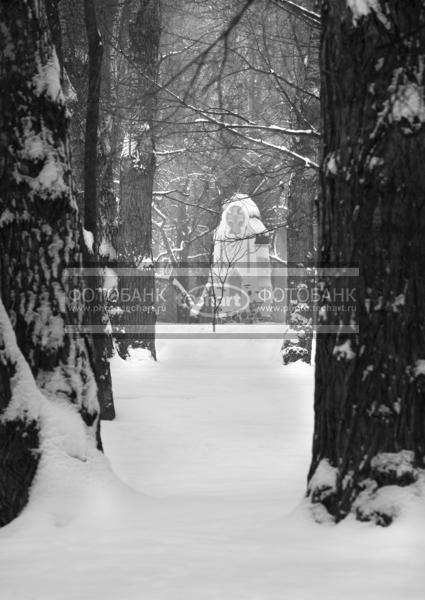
(231, 98)
(196, 102)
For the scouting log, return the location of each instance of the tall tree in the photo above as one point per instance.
(100, 342)
(134, 239)
(39, 242)
(87, 62)
(369, 433)
(303, 188)
(107, 13)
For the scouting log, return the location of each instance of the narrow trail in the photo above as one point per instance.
(212, 417)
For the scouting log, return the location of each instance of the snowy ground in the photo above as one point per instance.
(214, 441)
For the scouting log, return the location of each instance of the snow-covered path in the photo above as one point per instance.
(216, 440)
(212, 418)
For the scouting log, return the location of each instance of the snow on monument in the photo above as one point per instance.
(241, 272)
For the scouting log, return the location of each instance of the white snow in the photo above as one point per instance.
(361, 8)
(50, 180)
(408, 103)
(214, 440)
(24, 403)
(400, 462)
(419, 367)
(34, 145)
(391, 500)
(331, 165)
(344, 350)
(379, 63)
(6, 217)
(51, 176)
(366, 372)
(110, 279)
(88, 239)
(400, 300)
(374, 162)
(324, 478)
(106, 249)
(41, 146)
(406, 98)
(47, 79)
(61, 429)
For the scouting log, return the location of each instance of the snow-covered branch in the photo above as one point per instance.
(180, 201)
(170, 152)
(308, 16)
(230, 127)
(269, 128)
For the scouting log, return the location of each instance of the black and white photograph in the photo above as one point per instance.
(212, 299)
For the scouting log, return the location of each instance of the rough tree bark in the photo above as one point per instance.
(370, 386)
(136, 181)
(100, 342)
(108, 131)
(75, 56)
(38, 242)
(95, 54)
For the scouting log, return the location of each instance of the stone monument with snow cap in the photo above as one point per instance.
(241, 272)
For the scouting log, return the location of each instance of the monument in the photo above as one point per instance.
(241, 273)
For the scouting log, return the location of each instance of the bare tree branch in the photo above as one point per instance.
(308, 16)
(309, 163)
(269, 128)
(223, 37)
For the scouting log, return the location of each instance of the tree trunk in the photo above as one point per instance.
(300, 255)
(369, 429)
(38, 242)
(108, 132)
(99, 341)
(137, 175)
(75, 57)
(302, 194)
